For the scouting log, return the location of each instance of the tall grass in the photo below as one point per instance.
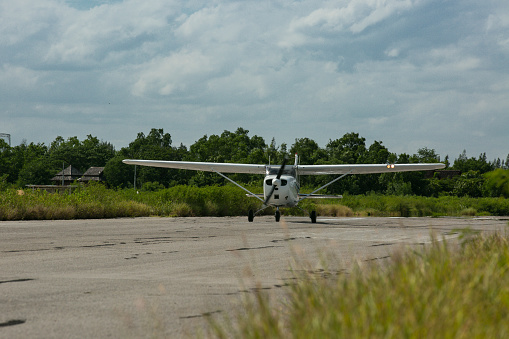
(416, 206)
(96, 201)
(91, 202)
(437, 293)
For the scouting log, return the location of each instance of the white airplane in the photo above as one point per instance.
(281, 185)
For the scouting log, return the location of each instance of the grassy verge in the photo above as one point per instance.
(96, 201)
(93, 202)
(440, 293)
(415, 206)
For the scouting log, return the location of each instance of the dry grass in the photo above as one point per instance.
(438, 293)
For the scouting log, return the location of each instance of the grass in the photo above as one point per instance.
(416, 206)
(91, 202)
(439, 292)
(96, 201)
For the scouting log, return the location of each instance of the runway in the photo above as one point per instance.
(160, 277)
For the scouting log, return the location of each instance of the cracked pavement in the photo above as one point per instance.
(162, 277)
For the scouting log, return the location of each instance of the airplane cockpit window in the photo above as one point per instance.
(268, 182)
(289, 170)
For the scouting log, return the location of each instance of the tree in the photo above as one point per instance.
(349, 149)
(465, 164)
(469, 184)
(379, 154)
(32, 160)
(81, 154)
(155, 146)
(497, 182)
(118, 174)
(308, 150)
(425, 155)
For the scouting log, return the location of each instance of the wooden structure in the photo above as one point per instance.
(93, 174)
(67, 176)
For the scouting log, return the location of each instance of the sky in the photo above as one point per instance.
(409, 73)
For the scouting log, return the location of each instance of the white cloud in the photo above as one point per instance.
(387, 68)
(91, 37)
(17, 77)
(176, 72)
(354, 16)
(24, 19)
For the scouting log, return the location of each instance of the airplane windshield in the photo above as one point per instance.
(289, 170)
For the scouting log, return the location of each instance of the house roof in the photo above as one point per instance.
(93, 171)
(70, 173)
(93, 174)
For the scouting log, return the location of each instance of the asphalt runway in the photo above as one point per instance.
(161, 277)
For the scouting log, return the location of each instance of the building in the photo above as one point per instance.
(67, 176)
(93, 174)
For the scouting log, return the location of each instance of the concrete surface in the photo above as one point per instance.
(161, 277)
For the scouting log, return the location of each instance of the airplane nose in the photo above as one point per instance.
(276, 182)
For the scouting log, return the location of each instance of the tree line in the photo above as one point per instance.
(38, 163)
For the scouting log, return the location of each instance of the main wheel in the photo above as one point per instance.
(250, 216)
(278, 215)
(313, 217)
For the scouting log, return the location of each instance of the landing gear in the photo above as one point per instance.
(313, 217)
(250, 216)
(278, 215)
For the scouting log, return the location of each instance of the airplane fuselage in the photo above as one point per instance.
(286, 188)
(286, 191)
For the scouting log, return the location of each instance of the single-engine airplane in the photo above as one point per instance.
(281, 185)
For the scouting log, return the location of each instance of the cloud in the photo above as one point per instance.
(351, 16)
(386, 69)
(172, 74)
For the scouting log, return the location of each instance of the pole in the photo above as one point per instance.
(134, 176)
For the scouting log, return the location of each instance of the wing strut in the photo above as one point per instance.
(321, 188)
(233, 182)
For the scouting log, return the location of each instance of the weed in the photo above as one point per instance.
(96, 201)
(439, 292)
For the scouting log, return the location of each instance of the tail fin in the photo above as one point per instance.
(296, 159)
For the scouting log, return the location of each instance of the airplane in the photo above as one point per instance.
(281, 185)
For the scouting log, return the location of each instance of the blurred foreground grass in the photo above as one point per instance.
(439, 292)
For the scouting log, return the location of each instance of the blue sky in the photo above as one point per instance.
(409, 73)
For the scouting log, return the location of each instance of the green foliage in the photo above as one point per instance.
(80, 154)
(38, 163)
(465, 164)
(155, 146)
(498, 182)
(469, 184)
(437, 292)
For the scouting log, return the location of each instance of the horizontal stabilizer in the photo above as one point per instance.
(320, 196)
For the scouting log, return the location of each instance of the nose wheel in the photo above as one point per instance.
(278, 214)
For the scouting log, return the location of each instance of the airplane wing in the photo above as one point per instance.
(365, 168)
(301, 169)
(201, 166)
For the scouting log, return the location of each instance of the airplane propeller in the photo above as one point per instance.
(276, 181)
